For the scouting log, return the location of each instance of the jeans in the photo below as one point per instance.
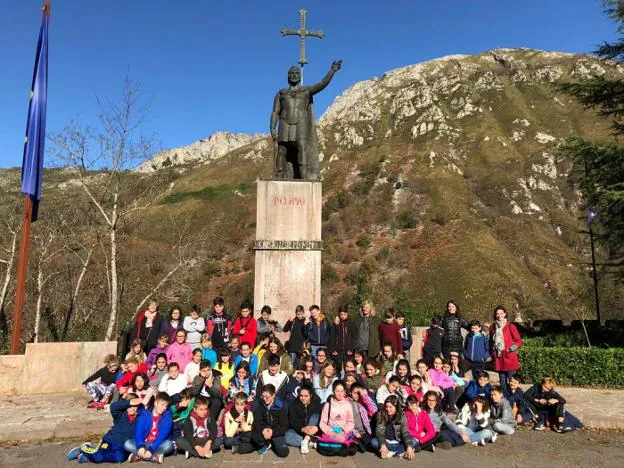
(165, 448)
(503, 428)
(104, 453)
(294, 438)
(314, 349)
(397, 447)
(242, 441)
(483, 434)
(504, 380)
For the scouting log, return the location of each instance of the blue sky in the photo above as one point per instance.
(215, 65)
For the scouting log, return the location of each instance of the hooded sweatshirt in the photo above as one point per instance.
(198, 431)
(180, 353)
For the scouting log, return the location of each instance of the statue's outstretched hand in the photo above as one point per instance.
(336, 65)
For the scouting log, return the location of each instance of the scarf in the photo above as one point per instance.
(499, 339)
(200, 424)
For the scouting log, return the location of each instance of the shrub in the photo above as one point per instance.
(573, 366)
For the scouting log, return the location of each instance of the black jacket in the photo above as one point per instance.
(199, 435)
(148, 336)
(343, 338)
(299, 415)
(536, 393)
(275, 417)
(296, 340)
(213, 392)
(453, 340)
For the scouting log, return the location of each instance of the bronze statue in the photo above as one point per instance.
(296, 142)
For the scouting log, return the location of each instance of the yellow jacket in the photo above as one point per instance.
(231, 425)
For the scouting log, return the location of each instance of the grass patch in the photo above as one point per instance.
(207, 193)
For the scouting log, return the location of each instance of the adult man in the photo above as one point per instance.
(270, 423)
(367, 326)
(297, 145)
(303, 416)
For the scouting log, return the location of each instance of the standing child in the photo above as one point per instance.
(406, 336)
(100, 386)
(194, 326)
(199, 438)
(267, 327)
(152, 433)
(238, 424)
(245, 326)
(111, 448)
(390, 332)
(161, 347)
(207, 352)
(219, 324)
(432, 340)
(295, 326)
(173, 323)
(476, 348)
(343, 337)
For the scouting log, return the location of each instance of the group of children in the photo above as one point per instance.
(252, 393)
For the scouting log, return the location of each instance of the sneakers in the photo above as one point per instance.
(158, 458)
(539, 427)
(444, 445)
(73, 454)
(475, 443)
(566, 429)
(417, 448)
(304, 446)
(494, 437)
(264, 450)
(187, 455)
(82, 458)
(433, 449)
(559, 428)
(482, 442)
(389, 455)
(208, 454)
(312, 444)
(234, 449)
(92, 404)
(134, 458)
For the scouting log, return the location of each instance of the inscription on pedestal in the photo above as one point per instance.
(287, 245)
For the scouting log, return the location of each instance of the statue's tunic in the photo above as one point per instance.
(295, 123)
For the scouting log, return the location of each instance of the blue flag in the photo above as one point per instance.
(34, 145)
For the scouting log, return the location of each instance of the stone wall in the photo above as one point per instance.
(52, 367)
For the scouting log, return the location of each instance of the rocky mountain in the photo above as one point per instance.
(441, 180)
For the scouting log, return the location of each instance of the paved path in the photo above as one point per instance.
(53, 417)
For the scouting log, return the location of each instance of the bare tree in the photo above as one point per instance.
(114, 148)
(8, 247)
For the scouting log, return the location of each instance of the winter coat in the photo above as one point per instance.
(473, 390)
(279, 381)
(180, 353)
(252, 361)
(373, 333)
(168, 329)
(536, 393)
(251, 330)
(467, 418)
(391, 333)
(417, 424)
(273, 417)
(508, 359)
(432, 341)
(323, 393)
(317, 333)
(143, 427)
(218, 328)
(502, 412)
(292, 390)
(126, 377)
(397, 428)
(337, 414)
(123, 427)
(452, 339)
(476, 348)
(198, 388)
(197, 433)
(148, 336)
(104, 374)
(296, 340)
(231, 425)
(299, 414)
(343, 338)
(406, 338)
(264, 328)
(194, 329)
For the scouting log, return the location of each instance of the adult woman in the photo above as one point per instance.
(173, 323)
(147, 326)
(504, 343)
(452, 323)
(276, 347)
(392, 436)
(324, 381)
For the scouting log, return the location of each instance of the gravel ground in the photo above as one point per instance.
(525, 448)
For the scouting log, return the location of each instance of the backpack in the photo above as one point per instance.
(329, 447)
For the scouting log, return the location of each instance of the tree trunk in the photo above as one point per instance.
(39, 300)
(9, 270)
(72, 299)
(114, 297)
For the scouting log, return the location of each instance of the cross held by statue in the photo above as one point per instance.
(302, 32)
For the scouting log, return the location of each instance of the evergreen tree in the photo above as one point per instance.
(600, 164)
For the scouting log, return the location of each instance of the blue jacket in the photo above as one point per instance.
(476, 348)
(253, 363)
(122, 429)
(144, 425)
(473, 390)
(317, 334)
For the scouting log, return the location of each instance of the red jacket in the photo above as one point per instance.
(251, 330)
(126, 377)
(508, 360)
(390, 333)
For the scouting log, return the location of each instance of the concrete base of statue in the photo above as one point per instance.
(288, 246)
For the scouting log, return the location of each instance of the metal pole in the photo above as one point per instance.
(593, 251)
(22, 266)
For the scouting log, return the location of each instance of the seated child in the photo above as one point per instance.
(387, 358)
(548, 406)
(225, 365)
(235, 347)
(270, 423)
(207, 352)
(478, 387)
(476, 348)
(174, 382)
(448, 433)
(136, 350)
(199, 437)
(274, 376)
(238, 424)
(156, 373)
(208, 385)
(180, 411)
(364, 409)
(502, 418)
(111, 448)
(474, 420)
(161, 347)
(516, 400)
(391, 388)
(448, 370)
(391, 435)
(152, 433)
(241, 382)
(402, 371)
(192, 368)
(100, 386)
(132, 367)
(415, 388)
(374, 380)
(247, 356)
(303, 416)
(141, 388)
(419, 426)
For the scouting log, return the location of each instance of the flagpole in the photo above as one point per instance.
(22, 267)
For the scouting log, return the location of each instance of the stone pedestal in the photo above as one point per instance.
(288, 246)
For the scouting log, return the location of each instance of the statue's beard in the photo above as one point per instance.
(294, 82)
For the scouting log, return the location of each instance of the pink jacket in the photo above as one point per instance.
(180, 353)
(420, 427)
(341, 416)
(440, 379)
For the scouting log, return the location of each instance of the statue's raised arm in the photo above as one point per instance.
(321, 85)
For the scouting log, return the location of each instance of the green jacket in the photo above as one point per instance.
(373, 333)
